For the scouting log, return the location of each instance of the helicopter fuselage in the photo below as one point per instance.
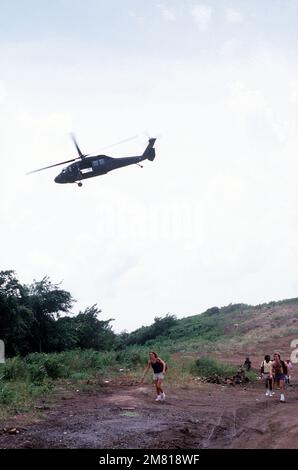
(85, 166)
(94, 166)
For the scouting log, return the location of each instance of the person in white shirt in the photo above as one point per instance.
(266, 372)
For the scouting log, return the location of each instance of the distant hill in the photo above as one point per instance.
(234, 329)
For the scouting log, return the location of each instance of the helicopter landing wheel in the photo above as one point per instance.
(80, 184)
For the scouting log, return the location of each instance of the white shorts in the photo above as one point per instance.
(158, 376)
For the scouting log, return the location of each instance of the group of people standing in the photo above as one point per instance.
(276, 374)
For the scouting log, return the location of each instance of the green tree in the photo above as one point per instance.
(35, 318)
(66, 335)
(160, 327)
(15, 318)
(92, 332)
(47, 301)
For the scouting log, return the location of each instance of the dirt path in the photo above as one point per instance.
(201, 416)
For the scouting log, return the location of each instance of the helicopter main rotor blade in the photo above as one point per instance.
(77, 147)
(51, 166)
(119, 143)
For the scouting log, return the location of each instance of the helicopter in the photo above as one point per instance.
(86, 166)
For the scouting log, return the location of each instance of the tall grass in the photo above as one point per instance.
(25, 379)
(208, 366)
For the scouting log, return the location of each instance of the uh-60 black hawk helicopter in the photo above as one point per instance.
(86, 166)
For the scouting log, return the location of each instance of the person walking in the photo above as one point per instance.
(159, 370)
(266, 374)
(279, 370)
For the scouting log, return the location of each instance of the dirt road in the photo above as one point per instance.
(199, 416)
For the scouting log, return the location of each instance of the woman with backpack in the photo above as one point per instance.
(159, 369)
(279, 370)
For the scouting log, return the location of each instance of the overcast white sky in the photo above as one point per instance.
(214, 219)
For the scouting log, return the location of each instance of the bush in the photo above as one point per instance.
(251, 375)
(91, 359)
(88, 360)
(212, 311)
(37, 373)
(207, 366)
(133, 357)
(43, 389)
(160, 327)
(14, 369)
(79, 376)
(46, 365)
(7, 396)
(54, 368)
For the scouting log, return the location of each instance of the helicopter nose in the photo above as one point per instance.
(58, 179)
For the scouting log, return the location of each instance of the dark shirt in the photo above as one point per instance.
(157, 367)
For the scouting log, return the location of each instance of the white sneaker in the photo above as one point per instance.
(267, 393)
(163, 396)
(158, 398)
(282, 398)
(270, 394)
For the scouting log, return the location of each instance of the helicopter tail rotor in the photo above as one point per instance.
(150, 150)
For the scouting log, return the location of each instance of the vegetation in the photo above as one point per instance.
(23, 379)
(38, 318)
(208, 366)
(46, 344)
(160, 327)
(31, 320)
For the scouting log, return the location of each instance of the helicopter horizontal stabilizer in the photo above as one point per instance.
(150, 151)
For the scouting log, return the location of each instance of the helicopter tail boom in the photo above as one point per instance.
(150, 150)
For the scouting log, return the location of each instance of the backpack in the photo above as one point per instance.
(284, 368)
(281, 368)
